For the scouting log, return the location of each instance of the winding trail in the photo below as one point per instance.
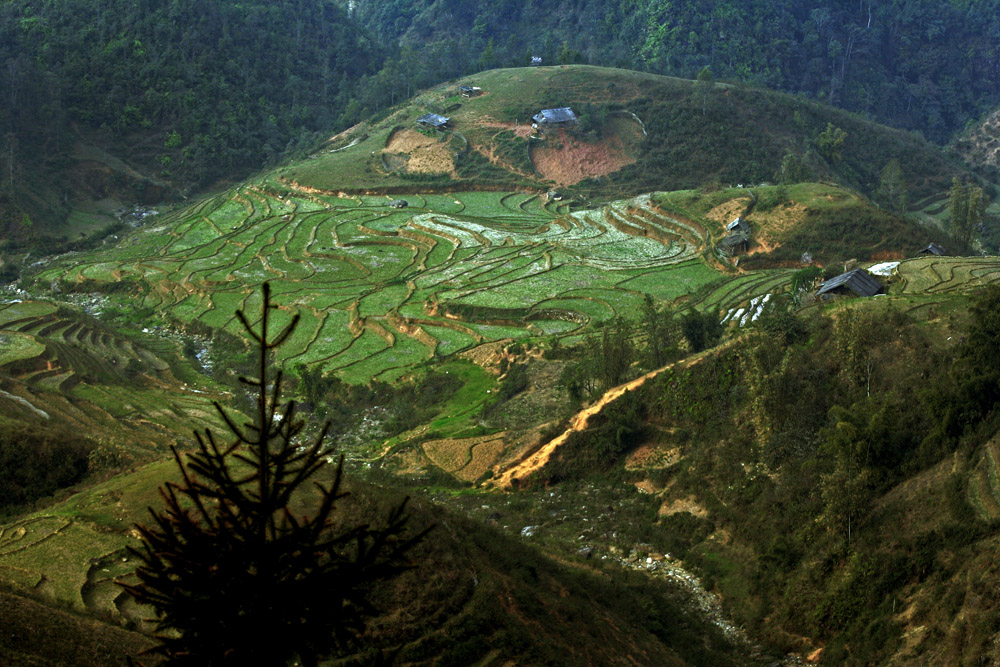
(538, 459)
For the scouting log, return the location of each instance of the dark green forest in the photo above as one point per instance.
(210, 88)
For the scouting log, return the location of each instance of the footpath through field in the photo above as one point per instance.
(538, 459)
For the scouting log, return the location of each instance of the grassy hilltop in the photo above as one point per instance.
(638, 132)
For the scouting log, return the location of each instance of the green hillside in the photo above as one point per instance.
(637, 132)
(477, 597)
(832, 475)
(640, 444)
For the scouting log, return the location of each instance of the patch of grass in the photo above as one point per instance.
(460, 414)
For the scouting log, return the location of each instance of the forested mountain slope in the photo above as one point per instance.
(927, 66)
(187, 92)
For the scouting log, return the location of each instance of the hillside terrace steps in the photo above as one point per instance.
(677, 218)
(31, 324)
(504, 241)
(692, 234)
(406, 327)
(70, 333)
(52, 380)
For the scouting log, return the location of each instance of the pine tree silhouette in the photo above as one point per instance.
(234, 574)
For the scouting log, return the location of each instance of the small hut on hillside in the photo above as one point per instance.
(469, 91)
(738, 225)
(734, 243)
(434, 121)
(560, 117)
(858, 282)
(933, 249)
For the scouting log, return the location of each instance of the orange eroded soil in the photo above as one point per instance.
(678, 505)
(426, 154)
(579, 422)
(574, 160)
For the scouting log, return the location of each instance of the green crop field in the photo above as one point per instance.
(380, 290)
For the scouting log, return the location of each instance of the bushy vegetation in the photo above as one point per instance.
(194, 92)
(37, 462)
(743, 135)
(273, 71)
(802, 426)
(395, 407)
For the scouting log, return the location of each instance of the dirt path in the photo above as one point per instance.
(522, 130)
(536, 461)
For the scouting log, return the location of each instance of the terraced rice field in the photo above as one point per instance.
(65, 368)
(380, 289)
(947, 275)
(75, 551)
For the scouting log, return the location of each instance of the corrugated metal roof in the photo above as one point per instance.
(858, 281)
(734, 240)
(561, 115)
(934, 249)
(433, 120)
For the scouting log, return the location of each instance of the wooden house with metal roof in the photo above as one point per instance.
(738, 225)
(858, 282)
(933, 249)
(555, 117)
(433, 120)
(733, 243)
